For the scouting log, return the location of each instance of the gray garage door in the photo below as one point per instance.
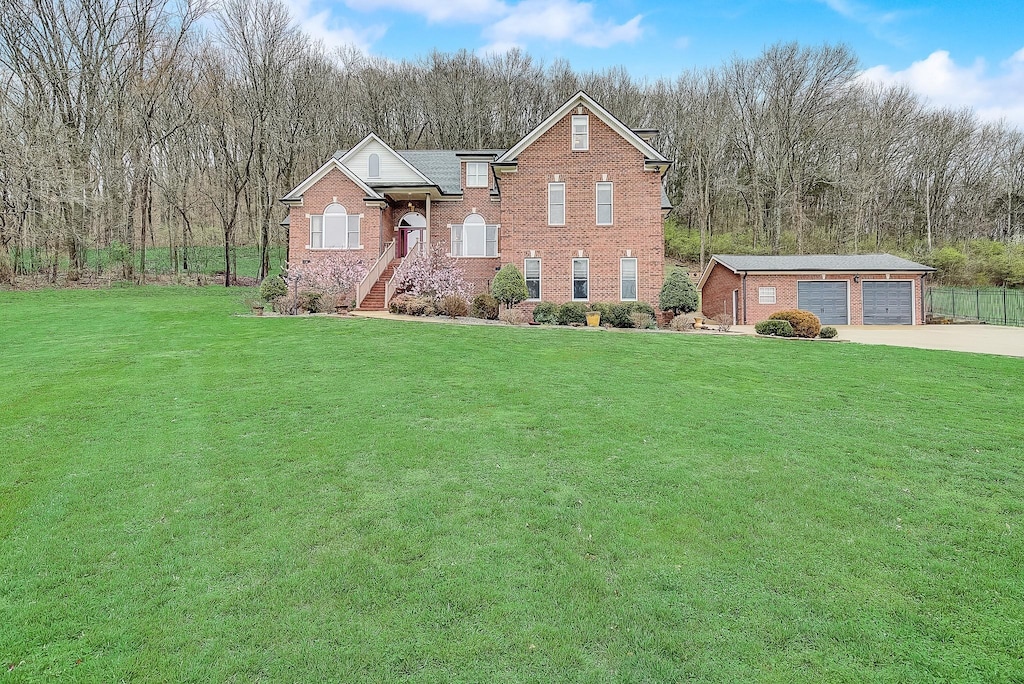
(888, 302)
(826, 299)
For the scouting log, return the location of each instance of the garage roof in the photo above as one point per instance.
(815, 263)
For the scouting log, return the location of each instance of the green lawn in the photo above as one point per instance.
(188, 495)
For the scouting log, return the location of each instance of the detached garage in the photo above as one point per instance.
(856, 289)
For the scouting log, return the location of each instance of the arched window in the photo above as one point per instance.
(413, 220)
(374, 166)
(474, 238)
(334, 229)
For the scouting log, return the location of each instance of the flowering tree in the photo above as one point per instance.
(333, 275)
(433, 274)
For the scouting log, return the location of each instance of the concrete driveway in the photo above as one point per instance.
(978, 339)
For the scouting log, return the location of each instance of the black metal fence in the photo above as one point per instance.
(996, 305)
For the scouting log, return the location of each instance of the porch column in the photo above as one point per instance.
(426, 238)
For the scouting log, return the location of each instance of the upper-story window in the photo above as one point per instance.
(604, 204)
(374, 166)
(474, 238)
(334, 229)
(580, 132)
(556, 204)
(476, 175)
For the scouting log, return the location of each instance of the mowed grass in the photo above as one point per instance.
(189, 495)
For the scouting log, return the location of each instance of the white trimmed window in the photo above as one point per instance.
(474, 238)
(334, 229)
(531, 268)
(766, 295)
(580, 133)
(580, 279)
(373, 166)
(556, 204)
(604, 204)
(627, 279)
(476, 175)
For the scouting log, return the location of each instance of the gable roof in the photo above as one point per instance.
(372, 137)
(581, 98)
(442, 167)
(818, 263)
(329, 165)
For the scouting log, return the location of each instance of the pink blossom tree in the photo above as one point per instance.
(433, 274)
(333, 275)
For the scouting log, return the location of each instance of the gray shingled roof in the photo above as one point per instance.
(440, 166)
(846, 263)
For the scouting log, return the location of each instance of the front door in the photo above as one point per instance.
(410, 233)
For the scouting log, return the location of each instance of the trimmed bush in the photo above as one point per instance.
(828, 332)
(485, 306)
(678, 293)
(805, 324)
(775, 328)
(620, 314)
(453, 306)
(509, 286)
(421, 306)
(512, 316)
(545, 312)
(400, 304)
(641, 320)
(273, 287)
(311, 302)
(572, 312)
(682, 322)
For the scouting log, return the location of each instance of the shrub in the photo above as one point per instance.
(545, 312)
(273, 287)
(723, 321)
(512, 316)
(805, 324)
(572, 312)
(642, 320)
(453, 306)
(774, 327)
(485, 306)
(828, 332)
(400, 304)
(287, 305)
(682, 322)
(643, 307)
(311, 302)
(421, 306)
(509, 286)
(433, 273)
(678, 294)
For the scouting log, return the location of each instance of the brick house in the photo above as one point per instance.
(577, 205)
(855, 289)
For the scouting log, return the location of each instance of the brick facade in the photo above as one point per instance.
(718, 288)
(521, 213)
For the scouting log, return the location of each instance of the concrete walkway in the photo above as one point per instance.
(977, 339)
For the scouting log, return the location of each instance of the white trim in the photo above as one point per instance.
(601, 113)
(774, 295)
(486, 183)
(373, 136)
(849, 311)
(328, 166)
(585, 119)
(564, 203)
(636, 281)
(572, 279)
(540, 278)
(369, 166)
(597, 202)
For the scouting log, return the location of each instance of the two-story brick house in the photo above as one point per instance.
(577, 205)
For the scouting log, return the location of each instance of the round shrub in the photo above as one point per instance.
(682, 322)
(313, 302)
(545, 312)
(485, 306)
(572, 312)
(828, 332)
(775, 328)
(805, 324)
(678, 293)
(509, 286)
(273, 287)
(453, 305)
(400, 304)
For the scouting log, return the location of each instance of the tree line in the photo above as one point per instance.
(129, 125)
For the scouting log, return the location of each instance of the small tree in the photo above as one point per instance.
(509, 286)
(678, 294)
(433, 274)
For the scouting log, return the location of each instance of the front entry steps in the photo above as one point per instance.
(374, 300)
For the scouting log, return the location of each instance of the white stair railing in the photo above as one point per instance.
(373, 275)
(392, 285)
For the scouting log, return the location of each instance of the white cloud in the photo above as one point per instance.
(682, 42)
(333, 33)
(992, 94)
(558, 21)
(881, 24)
(467, 11)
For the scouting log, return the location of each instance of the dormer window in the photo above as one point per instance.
(476, 175)
(374, 166)
(580, 133)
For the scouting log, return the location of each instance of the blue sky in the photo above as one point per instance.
(954, 53)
